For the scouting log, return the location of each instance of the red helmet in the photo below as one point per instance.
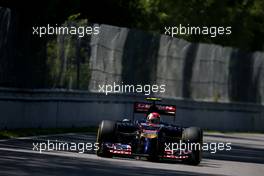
(153, 117)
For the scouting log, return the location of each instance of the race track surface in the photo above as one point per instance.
(18, 158)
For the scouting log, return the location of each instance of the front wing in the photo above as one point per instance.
(125, 150)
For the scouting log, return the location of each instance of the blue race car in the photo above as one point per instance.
(150, 138)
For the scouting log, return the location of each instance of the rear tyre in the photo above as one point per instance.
(194, 135)
(105, 133)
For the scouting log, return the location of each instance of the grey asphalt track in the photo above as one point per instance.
(17, 157)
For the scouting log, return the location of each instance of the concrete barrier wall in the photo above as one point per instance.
(189, 70)
(46, 108)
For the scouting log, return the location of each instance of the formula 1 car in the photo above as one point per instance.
(150, 138)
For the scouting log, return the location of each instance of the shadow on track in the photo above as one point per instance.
(14, 163)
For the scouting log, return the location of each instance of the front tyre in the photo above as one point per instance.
(194, 135)
(105, 133)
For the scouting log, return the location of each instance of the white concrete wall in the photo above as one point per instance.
(47, 108)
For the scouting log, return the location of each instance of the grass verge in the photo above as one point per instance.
(8, 134)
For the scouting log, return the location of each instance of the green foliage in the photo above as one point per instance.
(53, 62)
(245, 17)
(68, 60)
(74, 17)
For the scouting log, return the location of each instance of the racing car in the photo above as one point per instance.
(151, 137)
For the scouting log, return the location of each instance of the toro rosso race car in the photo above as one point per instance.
(150, 138)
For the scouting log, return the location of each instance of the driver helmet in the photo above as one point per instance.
(154, 118)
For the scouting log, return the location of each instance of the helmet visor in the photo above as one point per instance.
(154, 120)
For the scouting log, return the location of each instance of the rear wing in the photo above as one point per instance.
(147, 108)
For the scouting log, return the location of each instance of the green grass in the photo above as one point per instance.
(8, 134)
